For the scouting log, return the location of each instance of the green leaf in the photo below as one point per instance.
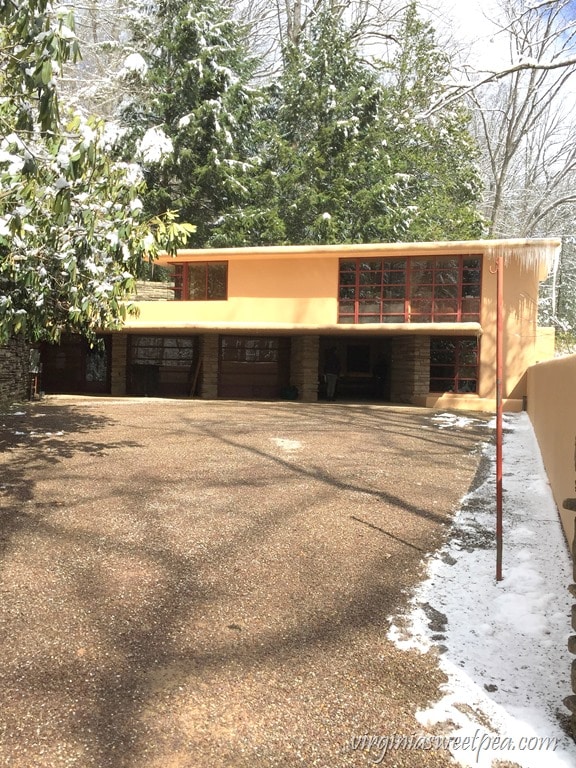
(46, 73)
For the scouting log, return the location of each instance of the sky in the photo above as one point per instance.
(502, 645)
(469, 28)
(469, 25)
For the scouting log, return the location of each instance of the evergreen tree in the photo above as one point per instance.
(435, 156)
(189, 121)
(325, 174)
(349, 157)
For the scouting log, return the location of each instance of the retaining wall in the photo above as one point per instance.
(552, 411)
(14, 370)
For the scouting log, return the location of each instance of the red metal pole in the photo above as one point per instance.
(499, 430)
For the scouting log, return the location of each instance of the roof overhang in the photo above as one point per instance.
(539, 251)
(343, 329)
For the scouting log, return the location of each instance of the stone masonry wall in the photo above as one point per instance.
(149, 290)
(410, 368)
(14, 371)
(209, 366)
(304, 367)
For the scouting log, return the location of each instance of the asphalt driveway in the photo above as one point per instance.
(186, 584)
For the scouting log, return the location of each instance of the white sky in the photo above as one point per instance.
(506, 654)
(470, 30)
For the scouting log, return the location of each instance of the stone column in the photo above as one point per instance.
(209, 366)
(410, 368)
(118, 363)
(304, 367)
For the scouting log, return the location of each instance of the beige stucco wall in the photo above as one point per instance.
(295, 289)
(302, 291)
(552, 411)
(522, 346)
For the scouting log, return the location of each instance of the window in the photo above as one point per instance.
(439, 289)
(162, 366)
(453, 364)
(162, 350)
(249, 349)
(201, 281)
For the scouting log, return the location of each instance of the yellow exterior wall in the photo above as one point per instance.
(523, 343)
(296, 291)
(552, 411)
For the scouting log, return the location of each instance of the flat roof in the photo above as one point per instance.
(534, 249)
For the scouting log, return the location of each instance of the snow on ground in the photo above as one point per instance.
(287, 445)
(502, 645)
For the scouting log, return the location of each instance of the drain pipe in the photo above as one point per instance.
(499, 409)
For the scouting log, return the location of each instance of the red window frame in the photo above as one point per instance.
(209, 292)
(454, 364)
(410, 289)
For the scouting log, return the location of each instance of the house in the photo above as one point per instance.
(410, 322)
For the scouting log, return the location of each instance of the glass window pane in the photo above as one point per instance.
(369, 292)
(370, 307)
(393, 307)
(454, 364)
(196, 281)
(395, 278)
(347, 278)
(421, 307)
(178, 281)
(217, 279)
(391, 265)
(446, 306)
(371, 265)
(441, 385)
(453, 282)
(370, 278)
(421, 291)
(394, 292)
(446, 290)
(447, 263)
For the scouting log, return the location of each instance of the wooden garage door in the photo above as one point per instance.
(162, 366)
(253, 367)
(73, 366)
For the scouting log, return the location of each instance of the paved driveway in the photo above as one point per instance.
(191, 584)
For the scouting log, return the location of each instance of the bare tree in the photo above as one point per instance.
(523, 120)
(276, 25)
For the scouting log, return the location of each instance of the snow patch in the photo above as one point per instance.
(287, 445)
(503, 645)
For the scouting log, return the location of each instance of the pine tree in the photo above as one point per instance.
(348, 155)
(189, 123)
(325, 175)
(435, 157)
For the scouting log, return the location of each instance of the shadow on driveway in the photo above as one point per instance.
(209, 584)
